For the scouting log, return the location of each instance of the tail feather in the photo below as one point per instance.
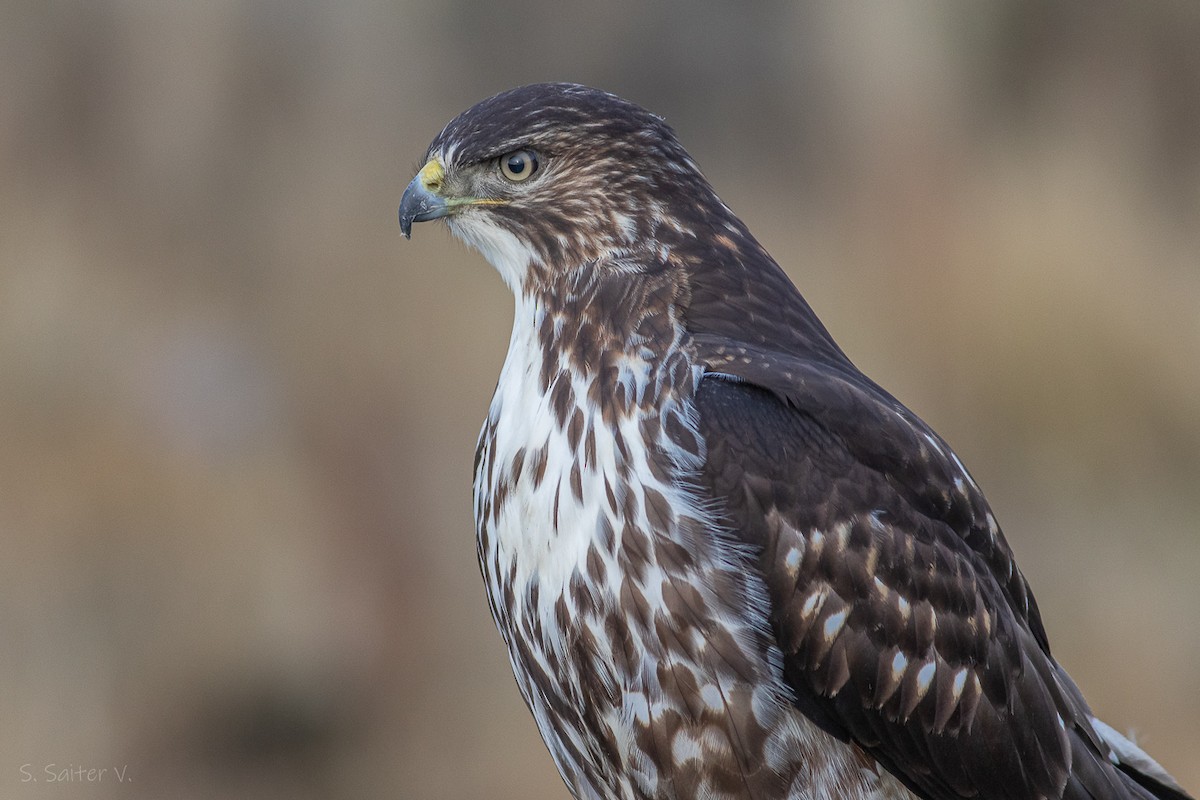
(1138, 767)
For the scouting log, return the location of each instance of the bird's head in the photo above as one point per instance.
(557, 176)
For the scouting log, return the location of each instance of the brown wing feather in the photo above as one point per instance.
(904, 623)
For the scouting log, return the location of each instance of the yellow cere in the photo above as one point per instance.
(431, 174)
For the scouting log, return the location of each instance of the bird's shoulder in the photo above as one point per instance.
(823, 416)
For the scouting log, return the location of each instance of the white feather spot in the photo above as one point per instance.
(880, 586)
(792, 559)
(960, 682)
(810, 605)
(816, 540)
(833, 625)
(711, 695)
(841, 535)
(899, 664)
(925, 677)
(684, 747)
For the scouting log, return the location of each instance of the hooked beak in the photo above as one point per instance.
(423, 199)
(421, 202)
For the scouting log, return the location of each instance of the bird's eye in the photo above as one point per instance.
(519, 165)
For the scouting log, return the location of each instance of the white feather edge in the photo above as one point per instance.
(1128, 753)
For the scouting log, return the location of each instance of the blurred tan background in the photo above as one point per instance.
(238, 411)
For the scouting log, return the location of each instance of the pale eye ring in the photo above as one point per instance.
(519, 165)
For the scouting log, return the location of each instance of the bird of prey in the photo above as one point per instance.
(725, 563)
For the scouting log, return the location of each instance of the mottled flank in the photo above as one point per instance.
(725, 563)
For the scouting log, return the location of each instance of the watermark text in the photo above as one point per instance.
(73, 773)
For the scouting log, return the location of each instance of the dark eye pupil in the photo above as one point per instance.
(518, 165)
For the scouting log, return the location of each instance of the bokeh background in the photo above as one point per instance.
(238, 411)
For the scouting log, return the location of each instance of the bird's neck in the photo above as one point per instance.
(618, 330)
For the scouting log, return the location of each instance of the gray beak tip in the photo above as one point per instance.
(419, 205)
(405, 225)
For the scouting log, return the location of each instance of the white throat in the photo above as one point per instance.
(508, 254)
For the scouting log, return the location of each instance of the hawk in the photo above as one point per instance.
(725, 563)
